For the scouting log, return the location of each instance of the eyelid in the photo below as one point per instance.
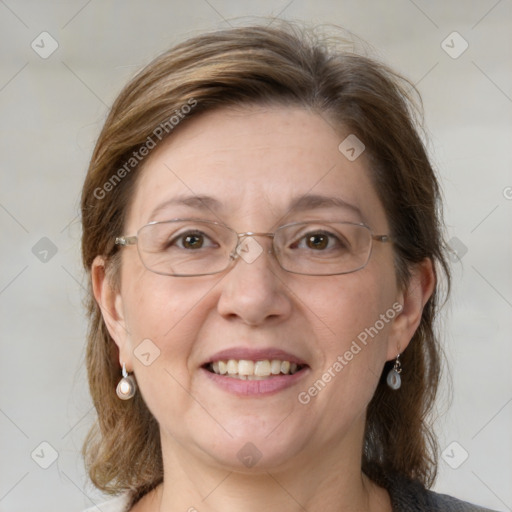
(187, 232)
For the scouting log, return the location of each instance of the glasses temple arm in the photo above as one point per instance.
(126, 240)
(382, 238)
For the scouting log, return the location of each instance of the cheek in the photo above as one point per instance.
(344, 306)
(164, 316)
(352, 316)
(155, 305)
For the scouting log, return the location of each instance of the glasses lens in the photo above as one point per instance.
(186, 247)
(323, 248)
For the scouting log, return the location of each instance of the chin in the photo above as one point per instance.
(254, 452)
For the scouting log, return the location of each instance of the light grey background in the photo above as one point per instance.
(51, 112)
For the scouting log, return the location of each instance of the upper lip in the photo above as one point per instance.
(249, 354)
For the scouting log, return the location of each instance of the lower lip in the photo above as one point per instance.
(268, 386)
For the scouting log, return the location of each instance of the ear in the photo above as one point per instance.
(413, 298)
(110, 301)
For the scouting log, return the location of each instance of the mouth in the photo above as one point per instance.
(246, 369)
(255, 372)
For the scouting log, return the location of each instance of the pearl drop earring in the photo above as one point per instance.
(393, 379)
(126, 387)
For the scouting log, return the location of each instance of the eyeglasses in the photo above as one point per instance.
(190, 247)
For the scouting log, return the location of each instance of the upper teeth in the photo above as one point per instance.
(244, 368)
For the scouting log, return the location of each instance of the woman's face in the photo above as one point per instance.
(255, 169)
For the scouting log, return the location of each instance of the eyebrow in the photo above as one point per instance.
(303, 203)
(203, 203)
(315, 202)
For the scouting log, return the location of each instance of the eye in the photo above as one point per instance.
(319, 241)
(191, 240)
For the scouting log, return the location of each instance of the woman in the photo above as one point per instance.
(261, 226)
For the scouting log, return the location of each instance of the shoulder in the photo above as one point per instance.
(118, 504)
(411, 496)
(449, 503)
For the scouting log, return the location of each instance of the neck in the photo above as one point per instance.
(328, 481)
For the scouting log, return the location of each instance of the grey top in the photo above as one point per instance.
(411, 496)
(406, 496)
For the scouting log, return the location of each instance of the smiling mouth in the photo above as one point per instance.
(245, 369)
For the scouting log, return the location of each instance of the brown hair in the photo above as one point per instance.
(284, 65)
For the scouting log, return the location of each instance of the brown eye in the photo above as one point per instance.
(317, 241)
(192, 241)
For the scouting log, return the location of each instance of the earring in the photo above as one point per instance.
(126, 387)
(393, 379)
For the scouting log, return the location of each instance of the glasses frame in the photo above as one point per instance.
(125, 241)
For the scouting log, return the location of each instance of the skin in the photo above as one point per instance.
(255, 161)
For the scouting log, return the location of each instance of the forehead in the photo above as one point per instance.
(254, 163)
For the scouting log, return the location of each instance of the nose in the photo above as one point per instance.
(254, 291)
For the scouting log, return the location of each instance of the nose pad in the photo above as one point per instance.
(249, 249)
